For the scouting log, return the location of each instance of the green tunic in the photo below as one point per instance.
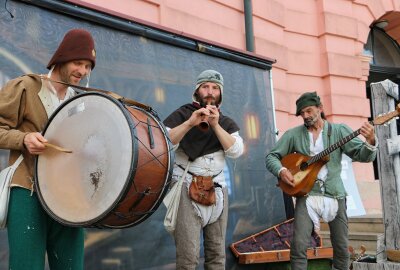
(297, 140)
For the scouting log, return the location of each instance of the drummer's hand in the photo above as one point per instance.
(286, 177)
(34, 143)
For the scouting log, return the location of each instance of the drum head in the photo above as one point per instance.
(79, 188)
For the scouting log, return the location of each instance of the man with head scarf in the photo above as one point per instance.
(202, 153)
(327, 199)
(26, 104)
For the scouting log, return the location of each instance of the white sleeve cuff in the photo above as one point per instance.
(373, 147)
(236, 150)
(281, 169)
(174, 146)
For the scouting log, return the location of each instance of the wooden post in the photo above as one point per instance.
(388, 165)
(382, 97)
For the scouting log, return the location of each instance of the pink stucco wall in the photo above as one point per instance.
(318, 45)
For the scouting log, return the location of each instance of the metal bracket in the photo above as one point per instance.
(393, 145)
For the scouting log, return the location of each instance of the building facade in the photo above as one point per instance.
(269, 52)
(319, 45)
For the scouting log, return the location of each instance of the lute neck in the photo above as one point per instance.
(333, 147)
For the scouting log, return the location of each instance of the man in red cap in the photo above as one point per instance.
(26, 104)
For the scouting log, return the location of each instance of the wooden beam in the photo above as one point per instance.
(387, 165)
(376, 266)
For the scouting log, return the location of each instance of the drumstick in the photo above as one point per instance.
(58, 148)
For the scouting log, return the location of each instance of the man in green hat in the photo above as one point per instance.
(327, 198)
(201, 152)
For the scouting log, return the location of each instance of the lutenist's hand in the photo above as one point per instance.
(367, 130)
(34, 143)
(286, 177)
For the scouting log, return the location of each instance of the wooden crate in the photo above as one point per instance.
(273, 245)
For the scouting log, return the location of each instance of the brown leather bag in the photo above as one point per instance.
(202, 190)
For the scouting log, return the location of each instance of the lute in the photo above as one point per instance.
(305, 168)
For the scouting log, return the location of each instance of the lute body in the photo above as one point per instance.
(304, 175)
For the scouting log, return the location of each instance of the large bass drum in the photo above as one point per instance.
(119, 169)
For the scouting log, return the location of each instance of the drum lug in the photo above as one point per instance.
(150, 133)
(141, 197)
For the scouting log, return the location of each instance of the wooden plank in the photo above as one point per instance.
(380, 249)
(282, 255)
(382, 104)
(376, 266)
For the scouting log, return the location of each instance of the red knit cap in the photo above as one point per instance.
(77, 44)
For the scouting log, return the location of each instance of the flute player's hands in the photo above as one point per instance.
(197, 117)
(214, 115)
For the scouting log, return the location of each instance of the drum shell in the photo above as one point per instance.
(149, 184)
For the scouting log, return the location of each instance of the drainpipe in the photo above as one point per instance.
(248, 20)
(248, 23)
(275, 128)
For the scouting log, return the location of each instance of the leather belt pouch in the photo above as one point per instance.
(202, 190)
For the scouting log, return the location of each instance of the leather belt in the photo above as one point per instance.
(193, 175)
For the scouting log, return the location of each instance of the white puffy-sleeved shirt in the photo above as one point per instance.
(207, 165)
